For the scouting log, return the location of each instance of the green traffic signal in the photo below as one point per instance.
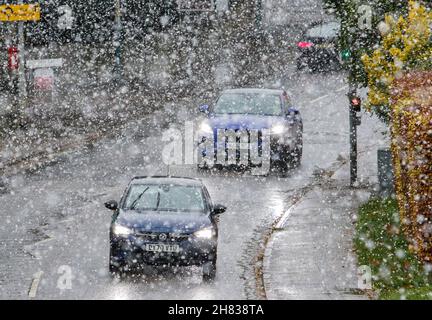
(346, 55)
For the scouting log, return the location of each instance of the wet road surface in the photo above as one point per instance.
(54, 224)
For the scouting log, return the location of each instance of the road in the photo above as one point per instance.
(54, 223)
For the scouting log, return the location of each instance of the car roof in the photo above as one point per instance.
(184, 181)
(255, 90)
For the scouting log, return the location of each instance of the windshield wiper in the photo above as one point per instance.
(132, 206)
(158, 201)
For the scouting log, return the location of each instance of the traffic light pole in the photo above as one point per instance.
(353, 121)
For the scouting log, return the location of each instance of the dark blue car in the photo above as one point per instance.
(244, 125)
(164, 221)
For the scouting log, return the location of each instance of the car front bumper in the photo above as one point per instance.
(131, 251)
(280, 147)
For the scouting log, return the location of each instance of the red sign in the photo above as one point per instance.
(13, 61)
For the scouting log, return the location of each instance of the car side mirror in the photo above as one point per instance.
(292, 114)
(112, 205)
(218, 209)
(292, 111)
(204, 109)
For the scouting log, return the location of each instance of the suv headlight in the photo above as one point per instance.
(278, 129)
(206, 233)
(205, 128)
(121, 230)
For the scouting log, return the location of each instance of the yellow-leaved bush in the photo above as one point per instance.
(411, 132)
(400, 88)
(405, 46)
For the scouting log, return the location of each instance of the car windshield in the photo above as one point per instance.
(327, 30)
(164, 197)
(249, 103)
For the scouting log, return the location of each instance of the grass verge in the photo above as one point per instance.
(381, 245)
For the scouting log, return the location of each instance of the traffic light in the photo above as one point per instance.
(355, 106)
(346, 55)
(356, 103)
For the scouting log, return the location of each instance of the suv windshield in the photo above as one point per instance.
(164, 198)
(249, 103)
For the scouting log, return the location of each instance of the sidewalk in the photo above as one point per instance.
(50, 136)
(311, 256)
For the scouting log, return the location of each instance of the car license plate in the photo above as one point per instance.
(160, 247)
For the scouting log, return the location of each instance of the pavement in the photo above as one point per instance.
(310, 253)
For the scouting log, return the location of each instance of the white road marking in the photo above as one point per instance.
(318, 99)
(342, 89)
(67, 220)
(35, 284)
(326, 95)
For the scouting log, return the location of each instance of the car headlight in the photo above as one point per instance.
(121, 230)
(206, 233)
(278, 129)
(205, 128)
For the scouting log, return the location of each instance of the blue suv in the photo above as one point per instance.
(246, 115)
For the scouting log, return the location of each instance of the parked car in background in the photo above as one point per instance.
(318, 47)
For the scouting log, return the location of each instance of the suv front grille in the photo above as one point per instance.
(239, 146)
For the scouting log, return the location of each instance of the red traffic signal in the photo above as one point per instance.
(356, 103)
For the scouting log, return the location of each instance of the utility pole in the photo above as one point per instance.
(117, 41)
